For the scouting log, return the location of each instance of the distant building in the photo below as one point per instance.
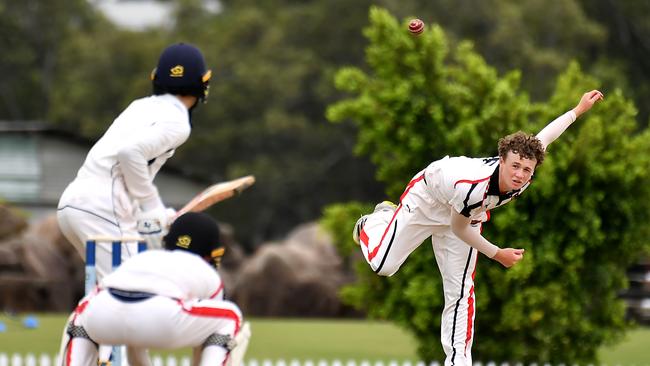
(37, 163)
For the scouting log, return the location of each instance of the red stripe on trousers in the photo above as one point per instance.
(218, 291)
(410, 185)
(216, 313)
(68, 357)
(406, 191)
(470, 314)
(372, 254)
(470, 309)
(84, 303)
(78, 310)
(364, 238)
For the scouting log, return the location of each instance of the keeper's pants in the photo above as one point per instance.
(158, 322)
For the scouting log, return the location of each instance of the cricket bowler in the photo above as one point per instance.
(448, 201)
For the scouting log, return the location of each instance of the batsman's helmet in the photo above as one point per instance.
(181, 70)
(197, 233)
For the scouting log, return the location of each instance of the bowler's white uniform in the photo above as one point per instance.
(471, 187)
(157, 299)
(117, 176)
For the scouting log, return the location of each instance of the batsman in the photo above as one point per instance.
(113, 193)
(448, 201)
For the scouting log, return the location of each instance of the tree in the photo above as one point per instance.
(538, 37)
(265, 116)
(423, 99)
(102, 70)
(32, 34)
(624, 57)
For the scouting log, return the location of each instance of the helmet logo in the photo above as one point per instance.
(176, 71)
(184, 241)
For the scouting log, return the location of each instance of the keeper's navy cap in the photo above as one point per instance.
(195, 232)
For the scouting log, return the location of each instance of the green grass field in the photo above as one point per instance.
(306, 340)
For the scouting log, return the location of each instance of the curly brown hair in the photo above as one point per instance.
(526, 145)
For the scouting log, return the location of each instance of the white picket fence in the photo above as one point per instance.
(50, 360)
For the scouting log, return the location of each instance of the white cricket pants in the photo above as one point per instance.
(388, 238)
(98, 207)
(159, 322)
(79, 225)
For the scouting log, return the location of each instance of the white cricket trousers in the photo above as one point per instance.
(388, 238)
(98, 207)
(158, 322)
(78, 226)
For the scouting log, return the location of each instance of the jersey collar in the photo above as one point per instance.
(493, 189)
(178, 104)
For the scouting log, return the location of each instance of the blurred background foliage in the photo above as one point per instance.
(274, 63)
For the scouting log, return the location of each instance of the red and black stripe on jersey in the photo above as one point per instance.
(492, 194)
(467, 207)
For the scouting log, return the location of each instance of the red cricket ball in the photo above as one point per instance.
(416, 26)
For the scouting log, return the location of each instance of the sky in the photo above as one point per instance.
(141, 14)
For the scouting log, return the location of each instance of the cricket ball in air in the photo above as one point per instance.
(416, 26)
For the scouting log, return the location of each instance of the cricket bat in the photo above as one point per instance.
(216, 193)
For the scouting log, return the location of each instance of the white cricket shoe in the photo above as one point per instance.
(386, 206)
(382, 206)
(356, 232)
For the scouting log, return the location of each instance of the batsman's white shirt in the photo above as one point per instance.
(186, 306)
(116, 179)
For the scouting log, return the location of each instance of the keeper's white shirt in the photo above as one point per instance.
(176, 274)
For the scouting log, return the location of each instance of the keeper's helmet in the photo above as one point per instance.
(197, 233)
(181, 70)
